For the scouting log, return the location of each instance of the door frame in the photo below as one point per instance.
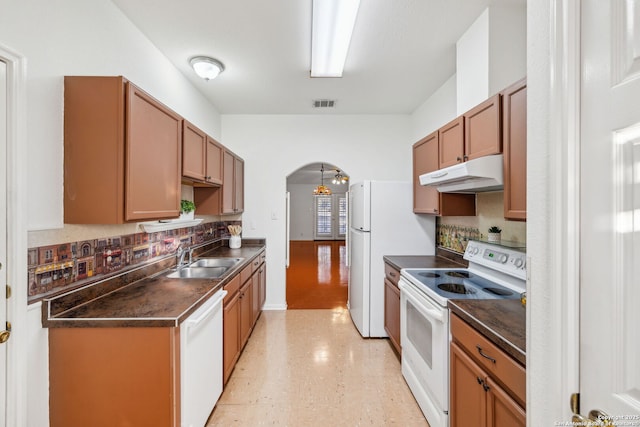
(17, 350)
(553, 234)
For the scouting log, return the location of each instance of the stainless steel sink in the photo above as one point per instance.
(198, 273)
(215, 262)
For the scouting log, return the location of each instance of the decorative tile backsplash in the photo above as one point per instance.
(455, 237)
(54, 268)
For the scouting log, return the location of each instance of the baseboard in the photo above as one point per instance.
(274, 307)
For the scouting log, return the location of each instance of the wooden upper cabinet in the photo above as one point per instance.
(201, 157)
(214, 162)
(229, 198)
(194, 150)
(482, 130)
(425, 159)
(514, 123)
(238, 183)
(428, 199)
(232, 184)
(122, 153)
(451, 138)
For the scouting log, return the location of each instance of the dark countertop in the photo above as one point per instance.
(421, 261)
(152, 301)
(501, 321)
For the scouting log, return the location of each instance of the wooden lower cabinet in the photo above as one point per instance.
(242, 308)
(392, 313)
(231, 328)
(246, 311)
(114, 377)
(484, 392)
(392, 305)
(468, 403)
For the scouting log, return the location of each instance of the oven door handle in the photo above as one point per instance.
(432, 313)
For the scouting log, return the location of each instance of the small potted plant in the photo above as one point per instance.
(494, 234)
(187, 209)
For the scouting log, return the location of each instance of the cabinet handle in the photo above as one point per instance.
(465, 157)
(459, 159)
(392, 274)
(480, 380)
(484, 355)
(485, 386)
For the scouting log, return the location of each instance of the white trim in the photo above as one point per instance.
(16, 237)
(554, 264)
(274, 307)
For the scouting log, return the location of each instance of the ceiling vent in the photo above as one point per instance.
(324, 103)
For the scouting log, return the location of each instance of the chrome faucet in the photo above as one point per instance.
(181, 252)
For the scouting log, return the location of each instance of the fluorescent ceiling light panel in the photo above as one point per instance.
(332, 26)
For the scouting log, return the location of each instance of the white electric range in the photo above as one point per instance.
(494, 272)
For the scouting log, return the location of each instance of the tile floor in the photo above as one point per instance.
(312, 368)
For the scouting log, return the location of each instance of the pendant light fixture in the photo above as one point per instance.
(340, 179)
(322, 190)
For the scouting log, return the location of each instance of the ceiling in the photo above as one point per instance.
(400, 53)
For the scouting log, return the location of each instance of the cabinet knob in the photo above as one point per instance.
(465, 157)
(459, 159)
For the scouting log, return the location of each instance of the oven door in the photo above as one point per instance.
(424, 329)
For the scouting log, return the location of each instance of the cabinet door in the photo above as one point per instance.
(425, 159)
(153, 158)
(468, 399)
(502, 410)
(214, 162)
(263, 285)
(246, 311)
(238, 182)
(451, 138)
(231, 322)
(228, 190)
(514, 128)
(482, 132)
(255, 296)
(194, 147)
(392, 313)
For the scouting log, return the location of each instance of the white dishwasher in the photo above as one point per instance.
(201, 361)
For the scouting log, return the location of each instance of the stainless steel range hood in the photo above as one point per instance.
(473, 176)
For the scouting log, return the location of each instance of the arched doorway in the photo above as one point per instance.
(317, 274)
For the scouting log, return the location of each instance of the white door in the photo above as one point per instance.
(610, 210)
(3, 238)
(330, 221)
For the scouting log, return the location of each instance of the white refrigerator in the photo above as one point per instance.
(381, 222)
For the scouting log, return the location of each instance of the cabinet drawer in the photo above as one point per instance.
(245, 273)
(392, 274)
(500, 366)
(231, 288)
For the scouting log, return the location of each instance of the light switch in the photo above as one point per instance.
(274, 215)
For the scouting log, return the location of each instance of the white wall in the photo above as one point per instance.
(472, 64)
(90, 37)
(275, 146)
(436, 111)
(491, 54)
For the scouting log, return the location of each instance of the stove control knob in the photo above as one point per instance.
(519, 262)
(503, 258)
(475, 250)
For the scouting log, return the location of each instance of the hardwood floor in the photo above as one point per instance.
(317, 275)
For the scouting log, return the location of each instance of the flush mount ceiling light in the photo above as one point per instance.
(205, 67)
(332, 26)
